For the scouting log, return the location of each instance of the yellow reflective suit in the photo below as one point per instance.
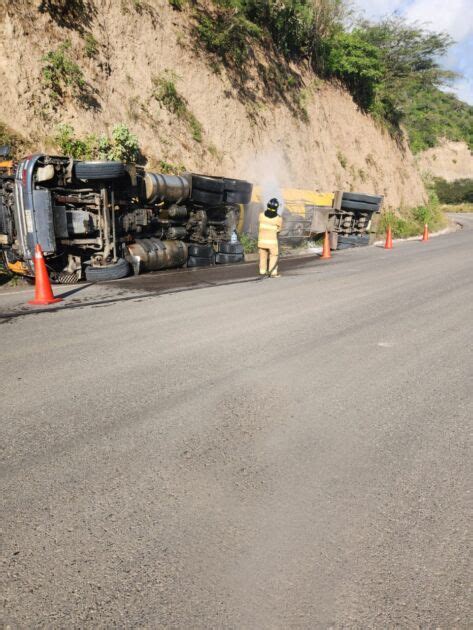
(268, 230)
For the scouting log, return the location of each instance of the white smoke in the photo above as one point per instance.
(266, 170)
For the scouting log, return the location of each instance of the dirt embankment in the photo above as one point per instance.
(450, 161)
(323, 143)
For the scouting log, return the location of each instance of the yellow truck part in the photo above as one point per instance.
(296, 199)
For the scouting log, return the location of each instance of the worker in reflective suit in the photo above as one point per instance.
(269, 226)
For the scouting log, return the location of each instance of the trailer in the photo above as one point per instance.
(346, 216)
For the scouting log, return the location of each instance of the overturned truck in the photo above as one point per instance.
(102, 220)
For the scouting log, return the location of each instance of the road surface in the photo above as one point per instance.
(292, 453)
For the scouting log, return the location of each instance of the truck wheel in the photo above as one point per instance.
(227, 259)
(238, 196)
(238, 185)
(99, 170)
(359, 205)
(207, 198)
(230, 248)
(349, 196)
(196, 261)
(208, 184)
(200, 251)
(114, 271)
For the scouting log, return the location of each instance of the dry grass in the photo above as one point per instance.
(461, 207)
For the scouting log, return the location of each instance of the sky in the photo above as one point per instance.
(453, 16)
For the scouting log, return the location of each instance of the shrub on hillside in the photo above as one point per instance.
(456, 192)
(122, 145)
(166, 93)
(60, 73)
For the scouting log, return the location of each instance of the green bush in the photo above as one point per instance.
(165, 91)
(250, 245)
(60, 73)
(227, 33)
(456, 192)
(290, 24)
(78, 148)
(410, 222)
(122, 145)
(357, 63)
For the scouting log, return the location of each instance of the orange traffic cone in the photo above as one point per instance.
(326, 250)
(425, 236)
(389, 239)
(43, 293)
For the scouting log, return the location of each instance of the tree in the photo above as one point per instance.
(357, 63)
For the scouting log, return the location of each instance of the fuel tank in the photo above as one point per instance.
(167, 188)
(152, 254)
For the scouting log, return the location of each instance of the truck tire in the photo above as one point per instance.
(207, 198)
(196, 261)
(99, 170)
(238, 185)
(359, 205)
(208, 184)
(200, 251)
(114, 271)
(230, 248)
(349, 196)
(227, 259)
(242, 197)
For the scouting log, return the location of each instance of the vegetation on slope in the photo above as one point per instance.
(122, 145)
(391, 68)
(408, 222)
(431, 114)
(456, 192)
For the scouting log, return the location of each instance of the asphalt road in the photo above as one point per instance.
(292, 453)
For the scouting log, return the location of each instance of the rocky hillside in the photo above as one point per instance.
(95, 63)
(449, 161)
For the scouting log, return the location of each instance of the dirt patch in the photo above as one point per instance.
(450, 161)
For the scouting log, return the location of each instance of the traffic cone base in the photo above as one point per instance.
(43, 294)
(389, 239)
(425, 235)
(44, 302)
(326, 249)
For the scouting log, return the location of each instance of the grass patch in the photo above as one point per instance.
(460, 207)
(342, 159)
(91, 46)
(167, 168)
(178, 5)
(167, 94)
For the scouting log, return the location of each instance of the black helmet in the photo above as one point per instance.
(273, 204)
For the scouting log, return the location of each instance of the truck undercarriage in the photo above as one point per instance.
(99, 219)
